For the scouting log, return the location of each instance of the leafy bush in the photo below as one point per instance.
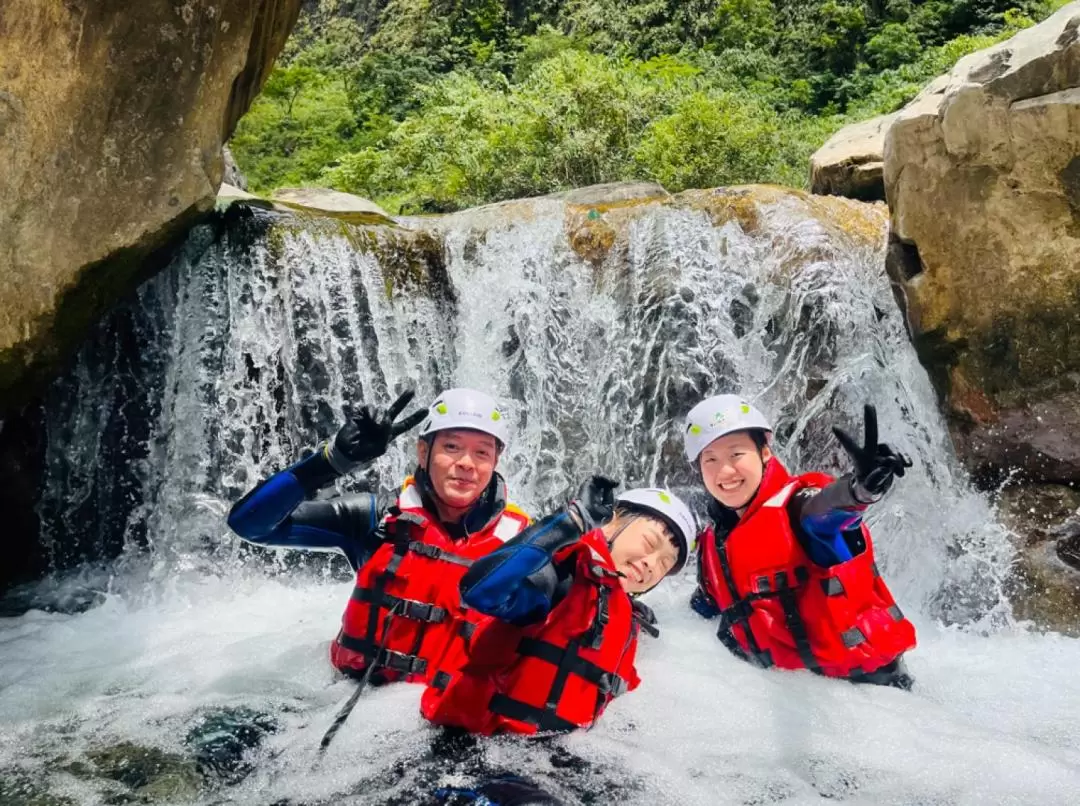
(434, 105)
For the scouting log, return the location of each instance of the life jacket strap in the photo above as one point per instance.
(542, 718)
(724, 632)
(795, 624)
(436, 553)
(608, 683)
(387, 658)
(409, 608)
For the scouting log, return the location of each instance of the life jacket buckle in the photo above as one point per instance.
(613, 685)
(400, 662)
(423, 611)
(736, 614)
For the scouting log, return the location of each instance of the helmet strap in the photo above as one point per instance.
(630, 518)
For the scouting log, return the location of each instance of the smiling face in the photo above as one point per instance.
(732, 467)
(462, 462)
(643, 549)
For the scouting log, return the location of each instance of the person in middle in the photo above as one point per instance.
(560, 636)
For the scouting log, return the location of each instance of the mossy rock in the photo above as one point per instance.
(222, 738)
(153, 774)
(17, 788)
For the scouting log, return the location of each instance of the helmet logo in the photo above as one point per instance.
(665, 497)
(495, 416)
(695, 429)
(745, 408)
(441, 408)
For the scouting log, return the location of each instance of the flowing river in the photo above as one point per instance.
(243, 353)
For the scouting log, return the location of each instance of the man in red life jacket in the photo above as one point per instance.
(787, 563)
(404, 612)
(561, 633)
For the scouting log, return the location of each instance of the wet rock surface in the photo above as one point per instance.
(980, 174)
(1045, 584)
(222, 741)
(112, 121)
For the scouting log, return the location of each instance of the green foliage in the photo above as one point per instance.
(433, 105)
(710, 140)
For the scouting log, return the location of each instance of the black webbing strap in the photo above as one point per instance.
(436, 553)
(440, 681)
(409, 608)
(724, 632)
(388, 658)
(794, 622)
(400, 539)
(594, 637)
(608, 682)
(506, 706)
(346, 709)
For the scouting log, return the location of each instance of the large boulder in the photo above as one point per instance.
(851, 162)
(112, 119)
(982, 173)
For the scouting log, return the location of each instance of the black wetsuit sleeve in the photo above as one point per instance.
(826, 521)
(277, 512)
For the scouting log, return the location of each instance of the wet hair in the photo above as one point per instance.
(623, 511)
(760, 437)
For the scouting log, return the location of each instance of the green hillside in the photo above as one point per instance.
(436, 105)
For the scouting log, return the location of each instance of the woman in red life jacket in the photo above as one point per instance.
(404, 612)
(787, 563)
(561, 633)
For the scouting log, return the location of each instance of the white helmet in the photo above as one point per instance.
(716, 416)
(467, 408)
(669, 507)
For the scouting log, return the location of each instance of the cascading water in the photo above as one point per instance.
(248, 348)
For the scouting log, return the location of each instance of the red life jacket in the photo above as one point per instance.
(557, 675)
(405, 611)
(780, 609)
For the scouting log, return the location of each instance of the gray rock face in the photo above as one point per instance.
(112, 120)
(232, 175)
(982, 173)
(851, 162)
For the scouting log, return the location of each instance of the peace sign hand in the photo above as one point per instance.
(876, 464)
(367, 433)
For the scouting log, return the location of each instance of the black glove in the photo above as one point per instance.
(595, 502)
(645, 617)
(367, 433)
(875, 464)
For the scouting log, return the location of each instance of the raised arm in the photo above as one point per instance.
(278, 512)
(521, 581)
(823, 516)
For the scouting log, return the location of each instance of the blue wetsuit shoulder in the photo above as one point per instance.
(277, 513)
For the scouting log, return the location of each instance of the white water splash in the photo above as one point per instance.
(252, 346)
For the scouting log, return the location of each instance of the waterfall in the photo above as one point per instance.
(598, 327)
(248, 349)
